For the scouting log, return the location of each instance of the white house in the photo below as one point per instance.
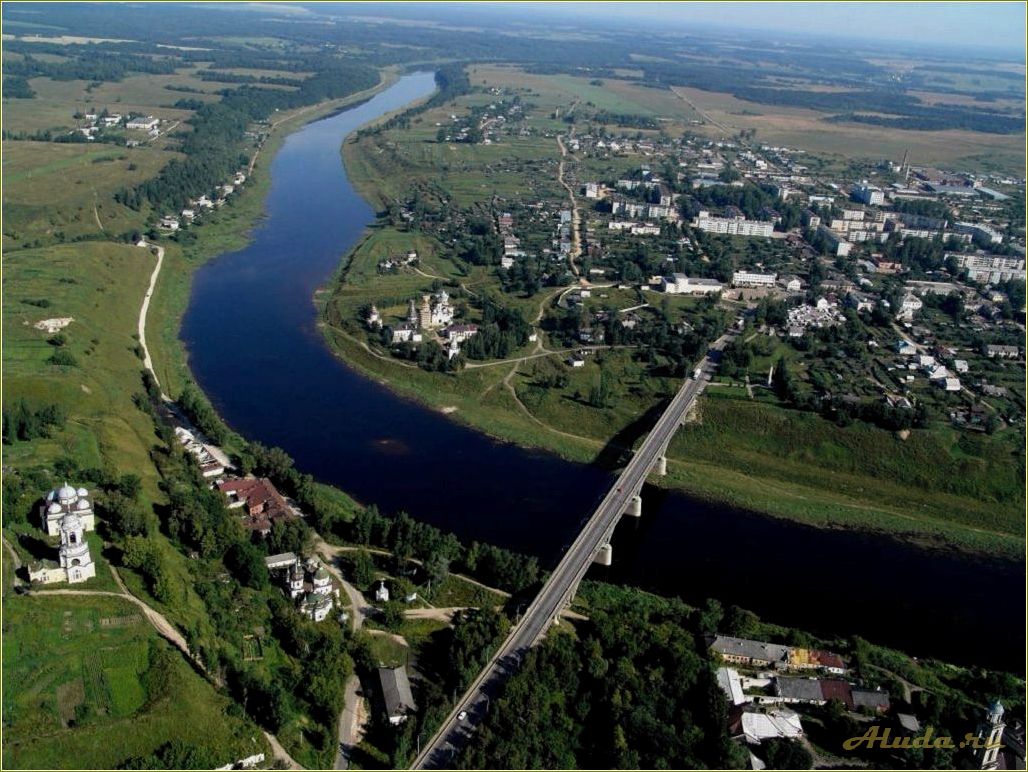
(680, 284)
(751, 279)
(911, 305)
(145, 124)
(783, 723)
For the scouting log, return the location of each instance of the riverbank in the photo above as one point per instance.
(859, 478)
(229, 230)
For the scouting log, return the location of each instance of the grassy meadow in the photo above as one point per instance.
(75, 689)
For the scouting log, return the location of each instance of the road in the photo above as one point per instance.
(147, 362)
(564, 580)
(576, 248)
(348, 726)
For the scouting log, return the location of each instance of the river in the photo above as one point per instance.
(256, 351)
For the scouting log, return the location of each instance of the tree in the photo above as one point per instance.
(363, 569)
(437, 566)
(292, 535)
(124, 516)
(247, 563)
(786, 754)
(391, 615)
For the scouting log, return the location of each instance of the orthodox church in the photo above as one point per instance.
(61, 501)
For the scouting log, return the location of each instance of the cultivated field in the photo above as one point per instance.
(807, 130)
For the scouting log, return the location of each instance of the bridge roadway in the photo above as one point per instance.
(562, 583)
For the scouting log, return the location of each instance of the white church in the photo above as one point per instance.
(61, 501)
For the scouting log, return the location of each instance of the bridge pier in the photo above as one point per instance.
(661, 466)
(605, 555)
(635, 506)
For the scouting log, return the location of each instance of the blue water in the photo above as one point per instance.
(255, 350)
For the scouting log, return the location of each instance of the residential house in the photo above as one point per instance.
(396, 694)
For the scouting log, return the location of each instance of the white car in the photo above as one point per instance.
(462, 715)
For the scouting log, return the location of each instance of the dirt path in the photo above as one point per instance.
(703, 115)
(96, 213)
(155, 618)
(147, 361)
(15, 562)
(548, 298)
(366, 347)
(546, 352)
(167, 631)
(279, 752)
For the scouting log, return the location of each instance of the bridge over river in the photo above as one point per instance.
(592, 544)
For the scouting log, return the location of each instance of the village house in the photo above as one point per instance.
(680, 284)
(910, 305)
(142, 123)
(1002, 352)
(405, 333)
(458, 333)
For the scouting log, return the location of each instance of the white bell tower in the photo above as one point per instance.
(74, 552)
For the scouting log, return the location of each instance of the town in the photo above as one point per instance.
(911, 271)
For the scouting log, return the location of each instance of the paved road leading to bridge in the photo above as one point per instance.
(560, 587)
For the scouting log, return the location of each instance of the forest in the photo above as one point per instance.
(631, 689)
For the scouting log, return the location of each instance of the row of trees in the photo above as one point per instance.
(23, 421)
(439, 551)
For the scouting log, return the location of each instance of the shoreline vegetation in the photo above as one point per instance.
(784, 489)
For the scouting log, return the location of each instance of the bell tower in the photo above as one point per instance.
(991, 731)
(74, 551)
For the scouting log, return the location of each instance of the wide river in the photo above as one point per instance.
(256, 351)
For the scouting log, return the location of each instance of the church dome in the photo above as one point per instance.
(82, 505)
(66, 493)
(83, 492)
(996, 708)
(321, 574)
(71, 522)
(54, 508)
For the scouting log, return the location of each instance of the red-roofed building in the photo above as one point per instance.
(833, 689)
(829, 660)
(261, 500)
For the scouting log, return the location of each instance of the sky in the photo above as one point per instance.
(993, 26)
(982, 24)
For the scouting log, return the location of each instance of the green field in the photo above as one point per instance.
(60, 192)
(75, 693)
